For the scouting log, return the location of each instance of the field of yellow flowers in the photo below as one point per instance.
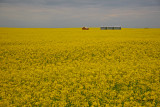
(69, 67)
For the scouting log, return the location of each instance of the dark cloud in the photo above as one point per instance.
(77, 13)
(87, 2)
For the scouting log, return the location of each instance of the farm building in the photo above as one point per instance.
(103, 28)
(110, 28)
(85, 28)
(117, 28)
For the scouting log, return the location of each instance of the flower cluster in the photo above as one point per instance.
(70, 67)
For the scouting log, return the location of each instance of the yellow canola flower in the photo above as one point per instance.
(68, 67)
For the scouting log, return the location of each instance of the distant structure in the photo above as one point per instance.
(85, 28)
(110, 28)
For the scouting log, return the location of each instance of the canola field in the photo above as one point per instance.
(69, 67)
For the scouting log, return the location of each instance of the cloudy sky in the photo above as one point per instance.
(78, 13)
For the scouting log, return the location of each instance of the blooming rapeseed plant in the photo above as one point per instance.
(70, 67)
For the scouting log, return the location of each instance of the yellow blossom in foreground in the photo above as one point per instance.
(73, 68)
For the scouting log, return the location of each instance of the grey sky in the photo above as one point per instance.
(78, 13)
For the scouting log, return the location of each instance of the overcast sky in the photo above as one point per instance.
(78, 13)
